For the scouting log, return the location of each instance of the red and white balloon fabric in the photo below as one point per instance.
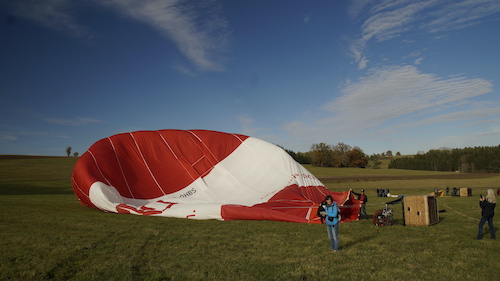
(200, 174)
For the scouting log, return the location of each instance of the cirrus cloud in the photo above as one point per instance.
(389, 19)
(387, 98)
(198, 29)
(78, 121)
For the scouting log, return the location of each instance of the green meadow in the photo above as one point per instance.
(45, 234)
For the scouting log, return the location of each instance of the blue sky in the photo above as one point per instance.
(405, 76)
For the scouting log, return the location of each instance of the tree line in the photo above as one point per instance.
(465, 160)
(324, 155)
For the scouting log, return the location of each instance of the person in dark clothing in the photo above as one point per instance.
(363, 199)
(487, 205)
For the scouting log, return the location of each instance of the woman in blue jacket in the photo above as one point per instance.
(332, 222)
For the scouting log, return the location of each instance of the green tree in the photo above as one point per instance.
(357, 158)
(301, 157)
(321, 155)
(68, 150)
(341, 159)
(466, 160)
(375, 158)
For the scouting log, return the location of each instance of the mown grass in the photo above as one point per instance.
(46, 235)
(404, 182)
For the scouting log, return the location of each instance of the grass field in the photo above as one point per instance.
(46, 235)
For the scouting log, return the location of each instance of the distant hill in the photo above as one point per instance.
(386, 160)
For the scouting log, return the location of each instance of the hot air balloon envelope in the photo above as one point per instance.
(200, 174)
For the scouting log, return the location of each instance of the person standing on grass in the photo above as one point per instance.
(363, 199)
(332, 222)
(487, 205)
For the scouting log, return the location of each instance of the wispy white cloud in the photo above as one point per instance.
(307, 18)
(489, 121)
(485, 138)
(391, 18)
(460, 14)
(7, 136)
(53, 134)
(356, 51)
(384, 21)
(357, 7)
(247, 127)
(184, 69)
(388, 19)
(387, 98)
(419, 60)
(54, 14)
(78, 121)
(457, 116)
(17, 135)
(198, 29)
(392, 92)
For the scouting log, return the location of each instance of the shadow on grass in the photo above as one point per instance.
(362, 239)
